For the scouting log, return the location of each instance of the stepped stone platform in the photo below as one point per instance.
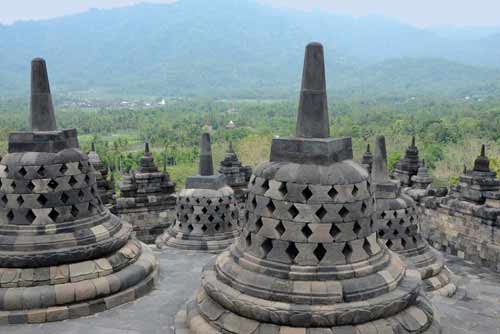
(308, 259)
(147, 199)
(236, 175)
(474, 309)
(399, 227)
(207, 210)
(408, 166)
(62, 253)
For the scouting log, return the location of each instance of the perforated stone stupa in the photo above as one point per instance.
(147, 199)
(105, 184)
(62, 254)
(308, 259)
(236, 175)
(408, 166)
(207, 211)
(398, 226)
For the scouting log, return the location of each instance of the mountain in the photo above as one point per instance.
(238, 48)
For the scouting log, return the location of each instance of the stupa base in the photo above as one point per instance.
(213, 245)
(76, 290)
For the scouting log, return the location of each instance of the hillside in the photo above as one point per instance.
(238, 48)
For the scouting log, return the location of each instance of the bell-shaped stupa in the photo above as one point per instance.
(105, 184)
(236, 175)
(398, 226)
(308, 259)
(62, 254)
(408, 166)
(207, 211)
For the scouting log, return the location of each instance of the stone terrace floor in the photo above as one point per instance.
(475, 309)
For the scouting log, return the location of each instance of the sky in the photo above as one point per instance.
(417, 12)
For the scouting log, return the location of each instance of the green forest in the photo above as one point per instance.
(449, 132)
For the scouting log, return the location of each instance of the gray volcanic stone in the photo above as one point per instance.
(398, 225)
(105, 185)
(236, 175)
(147, 199)
(57, 240)
(367, 160)
(408, 166)
(308, 259)
(207, 211)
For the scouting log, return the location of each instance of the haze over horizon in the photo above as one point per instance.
(423, 13)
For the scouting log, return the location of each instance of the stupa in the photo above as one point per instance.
(147, 199)
(207, 211)
(398, 226)
(408, 166)
(62, 253)
(237, 176)
(308, 259)
(367, 160)
(105, 184)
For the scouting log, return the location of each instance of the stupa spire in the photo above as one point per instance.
(368, 148)
(41, 107)
(206, 163)
(92, 148)
(312, 119)
(483, 150)
(379, 167)
(413, 143)
(146, 147)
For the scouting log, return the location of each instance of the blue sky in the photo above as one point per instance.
(416, 12)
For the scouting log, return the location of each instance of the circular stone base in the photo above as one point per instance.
(46, 303)
(213, 245)
(415, 319)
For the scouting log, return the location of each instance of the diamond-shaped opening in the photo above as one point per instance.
(307, 193)
(343, 212)
(92, 191)
(248, 240)
(30, 186)
(406, 211)
(412, 219)
(389, 224)
(13, 185)
(407, 231)
(220, 200)
(5, 200)
(367, 247)
(74, 211)
(282, 189)
(233, 214)
(53, 184)
(42, 200)
(182, 207)
(23, 171)
(321, 212)
(383, 214)
(223, 216)
(356, 228)
(72, 181)
(280, 228)
(381, 233)
(186, 217)
(258, 225)
(395, 233)
(306, 231)
(292, 251)
(190, 228)
(319, 252)
(334, 231)
(63, 169)
(209, 201)
(41, 171)
(217, 227)
(197, 218)
(395, 214)
(20, 200)
(363, 207)
(53, 214)
(254, 203)
(401, 221)
(267, 246)
(355, 190)
(414, 239)
(191, 209)
(217, 208)
(389, 244)
(270, 206)
(347, 252)
(198, 200)
(293, 211)
(333, 193)
(204, 228)
(229, 225)
(187, 199)
(265, 185)
(211, 218)
(64, 198)
(204, 210)
(30, 216)
(403, 242)
(81, 195)
(10, 215)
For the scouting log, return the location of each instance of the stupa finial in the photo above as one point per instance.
(41, 106)
(368, 148)
(483, 150)
(146, 146)
(312, 119)
(206, 163)
(413, 143)
(379, 168)
(231, 150)
(92, 147)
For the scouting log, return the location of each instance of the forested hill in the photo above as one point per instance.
(240, 48)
